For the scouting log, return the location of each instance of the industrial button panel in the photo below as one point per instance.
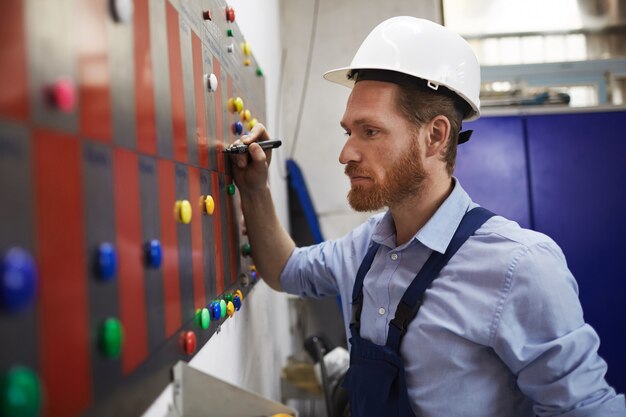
(120, 244)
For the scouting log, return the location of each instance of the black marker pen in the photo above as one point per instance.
(266, 144)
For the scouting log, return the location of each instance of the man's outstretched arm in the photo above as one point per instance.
(270, 243)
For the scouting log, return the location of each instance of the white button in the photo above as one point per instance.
(122, 10)
(381, 311)
(210, 82)
(394, 256)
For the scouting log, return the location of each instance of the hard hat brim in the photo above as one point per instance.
(340, 76)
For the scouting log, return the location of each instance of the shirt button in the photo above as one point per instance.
(394, 256)
(381, 311)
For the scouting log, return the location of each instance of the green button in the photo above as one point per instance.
(259, 72)
(203, 318)
(222, 308)
(20, 393)
(230, 33)
(245, 249)
(231, 189)
(111, 338)
(228, 297)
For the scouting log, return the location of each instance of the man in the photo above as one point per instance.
(451, 311)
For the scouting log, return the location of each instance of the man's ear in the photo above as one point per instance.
(438, 132)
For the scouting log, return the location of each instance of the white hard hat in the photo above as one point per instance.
(422, 49)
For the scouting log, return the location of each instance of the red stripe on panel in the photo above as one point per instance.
(176, 84)
(197, 259)
(132, 295)
(13, 83)
(169, 245)
(144, 87)
(63, 292)
(93, 69)
(217, 70)
(217, 234)
(234, 254)
(198, 75)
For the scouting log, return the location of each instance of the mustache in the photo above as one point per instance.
(353, 170)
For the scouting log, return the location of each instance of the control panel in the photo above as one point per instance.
(120, 248)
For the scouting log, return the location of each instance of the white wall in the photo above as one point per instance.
(342, 25)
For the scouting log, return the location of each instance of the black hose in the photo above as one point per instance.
(325, 387)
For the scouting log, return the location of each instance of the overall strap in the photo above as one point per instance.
(357, 291)
(412, 298)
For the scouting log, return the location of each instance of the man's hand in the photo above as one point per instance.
(250, 169)
(271, 244)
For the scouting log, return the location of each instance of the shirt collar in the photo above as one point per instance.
(437, 233)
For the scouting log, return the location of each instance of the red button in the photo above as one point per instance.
(62, 95)
(189, 342)
(230, 14)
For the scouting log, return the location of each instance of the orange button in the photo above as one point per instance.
(209, 204)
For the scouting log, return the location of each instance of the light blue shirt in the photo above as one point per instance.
(501, 331)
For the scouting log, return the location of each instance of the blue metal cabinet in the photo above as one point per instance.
(577, 173)
(563, 175)
(492, 167)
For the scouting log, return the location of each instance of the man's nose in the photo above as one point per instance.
(349, 153)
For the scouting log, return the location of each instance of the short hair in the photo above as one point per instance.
(420, 104)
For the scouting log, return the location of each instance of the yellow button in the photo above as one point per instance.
(245, 115)
(245, 48)
(230, 309)
(240, 294)
(231, 104)
(247, 62)
(182, 208)
(209, 205)
(252, 123)
(177, 210)
(238, 104)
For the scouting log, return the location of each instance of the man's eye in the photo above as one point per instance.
(370, 132)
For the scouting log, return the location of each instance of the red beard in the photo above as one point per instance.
(403, 180)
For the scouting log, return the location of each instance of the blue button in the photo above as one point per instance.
(154, 253)
(107, 261)
(254, 275)
(216, 310)
(237, 302)
(237, 128)
(18, 280)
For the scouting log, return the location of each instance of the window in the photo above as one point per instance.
(545, 51)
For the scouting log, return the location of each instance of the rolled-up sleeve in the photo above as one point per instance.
(329, 268)
(310, 271)
(539, 332)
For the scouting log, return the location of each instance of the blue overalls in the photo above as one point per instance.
(376, 381)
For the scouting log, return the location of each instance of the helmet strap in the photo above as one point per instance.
(432, 85)
(464, 136)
